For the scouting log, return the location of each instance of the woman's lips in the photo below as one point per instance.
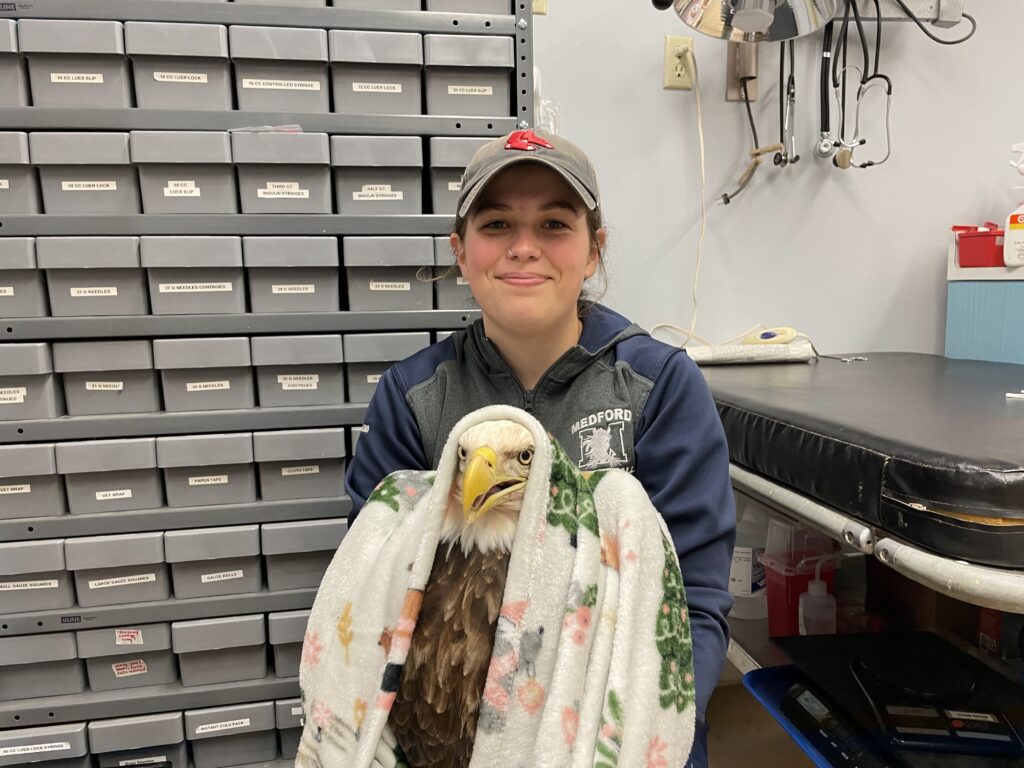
(522, 279)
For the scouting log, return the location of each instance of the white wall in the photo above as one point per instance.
(856, 259)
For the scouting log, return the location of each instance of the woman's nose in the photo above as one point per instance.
(524, 247)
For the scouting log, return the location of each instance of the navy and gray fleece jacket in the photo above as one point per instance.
(617, 399)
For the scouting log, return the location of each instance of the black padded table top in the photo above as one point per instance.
(923, 446)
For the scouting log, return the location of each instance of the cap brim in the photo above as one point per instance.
(474, 192)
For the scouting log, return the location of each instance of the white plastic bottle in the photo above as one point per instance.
(817, 608)
(746, 575)
(1013, 237)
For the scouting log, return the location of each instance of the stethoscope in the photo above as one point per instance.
(787, 108)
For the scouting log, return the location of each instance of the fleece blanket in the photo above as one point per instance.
(592, 658)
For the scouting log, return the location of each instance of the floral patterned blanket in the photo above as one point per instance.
(592, 660)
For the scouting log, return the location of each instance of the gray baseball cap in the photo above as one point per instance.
(538, 146)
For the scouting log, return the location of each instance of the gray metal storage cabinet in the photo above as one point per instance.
(205, 374)
(280, 69)
(377, 73)
(76, 63)
(19, 190)
(128, 657)
(111, 570)
(297, 554)
(194, 275)
(283, 172)
(449, 157)
(185, 171)
(29, 485)
(378, 5)
(33, 578)
(296, 3)
(221, 650)
(353, 436)
(22, 289)
(83, 173)
(287, 631)
(92, 276)
(291, 274)
(39, 665)
(288, 713)
(107, 377)
(451, 289)
(387, 273)
(299, 370)
(110, 475)
(368, 355)
(56, 746)
(207, 469)
(28, 388)
(140, 740)
(214, 561)
(13, 76)
(300, 463)
(180, 66)
(224, 736)
(495, 7)
(468, 74)
(378, 174)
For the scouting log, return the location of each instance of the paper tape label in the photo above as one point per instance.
(104, 386)
(206, 386)
(123, 581)
(30, 749)
(208, 578)
(88, 186)
(389, 285)
(5, 183)
(91, 78)
(18, 586)
(470, 90)
(13, 395)
(191, 78)
(377, 87)
(128, 637)
(280, 85)
(461, 281)
(454, 186)
(196, 287)
(89, 293)
(209, 480)
(297, 288)
(304, 381)
(378, 192)
(311, 469)
(227, 725)
(9, 490)
(373, 378)
(122, 493)
(130, 668)
(144, 760)
(6, 290)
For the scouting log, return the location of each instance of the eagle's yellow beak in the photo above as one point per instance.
(482, 486)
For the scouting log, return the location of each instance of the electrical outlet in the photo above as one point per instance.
(678, 53)
(540, 7)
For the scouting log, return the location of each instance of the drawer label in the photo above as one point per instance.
(31, 749)
(283, 189)
(208, 480)
(454, 186)
(182, 188)
(206, 386)
(89, 186)
(121, 493)
(208, 578)
(297, 711)
(389, 285)
(196, 287)
(20, 586)
(130, 668)
(378, 192)
(6, 290)
(280, 85)
(5, 183)
(461, 281)
(191, 78)
(311, 469)
(9, 490)
(227, 725)
(144, 761)
(89, 293)
(90, 78)
(104, 386)
(296, 288)
(373, 378)
(123, 581)
(13, 395)
(980, 717)
(377, 87)
(128, 637)
(470, 90)
(304, 381)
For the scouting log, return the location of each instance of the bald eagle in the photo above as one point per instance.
(434, 716)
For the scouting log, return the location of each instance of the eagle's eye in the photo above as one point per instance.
(526, 456)
(462, 453)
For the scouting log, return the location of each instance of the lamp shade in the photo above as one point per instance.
(755, 21)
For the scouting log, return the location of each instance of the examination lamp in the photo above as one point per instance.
(753, 21)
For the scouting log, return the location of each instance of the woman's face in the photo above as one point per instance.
(527, 251)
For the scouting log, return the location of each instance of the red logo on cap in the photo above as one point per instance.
(526, 141)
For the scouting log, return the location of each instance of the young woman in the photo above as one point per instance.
(528, 234)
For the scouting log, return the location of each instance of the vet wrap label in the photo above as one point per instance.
(289, 190)
(77, 78)
(20, 586)
(378, 192)
(123, 581)
(89, 186)
(210, 578)
(130, 668)
(390, 285)
(121, 493)
(261, 84)
(227, 725)
(454, 186)
(182, 188)
(189, 78)
(31, 749)
(470, 90)
(299, 381)
(377, 87)
(13, 395)
(6, 290)
(311, 469)
(196, 287)
(128, 637)
(5, 183)
(373, 378)
(291, 289)
(144, 760)
(104, 386)
(206, 386)
(209, 480)
(93, 293)
(10, 490)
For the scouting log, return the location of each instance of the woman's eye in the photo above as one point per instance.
(526, 456)
(555, 224)
(494, 225)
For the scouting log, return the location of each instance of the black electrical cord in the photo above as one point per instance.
(750, 114)
(964, 39)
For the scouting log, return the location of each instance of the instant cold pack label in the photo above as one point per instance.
(227, 725)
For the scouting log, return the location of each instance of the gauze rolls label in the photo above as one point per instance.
(104, 386)
(77, 78)
(120, 493)
(227, 725)
(209, 480)
(32, 749)
(13, 395)
(292, 289)
(304, 381)
(123, 581)
(182, 188)
(128, 637)
(288, 190)
(209, 578)
(191, 78)
(19, 586)
(89, 293)
(10, 490)
(195, 287)
(470, 90)
(378, 192)
(389, 285)
(89, 186)
(206, 386)
(311, 469)
(376, 87)
(130, 668)
(262, 84)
